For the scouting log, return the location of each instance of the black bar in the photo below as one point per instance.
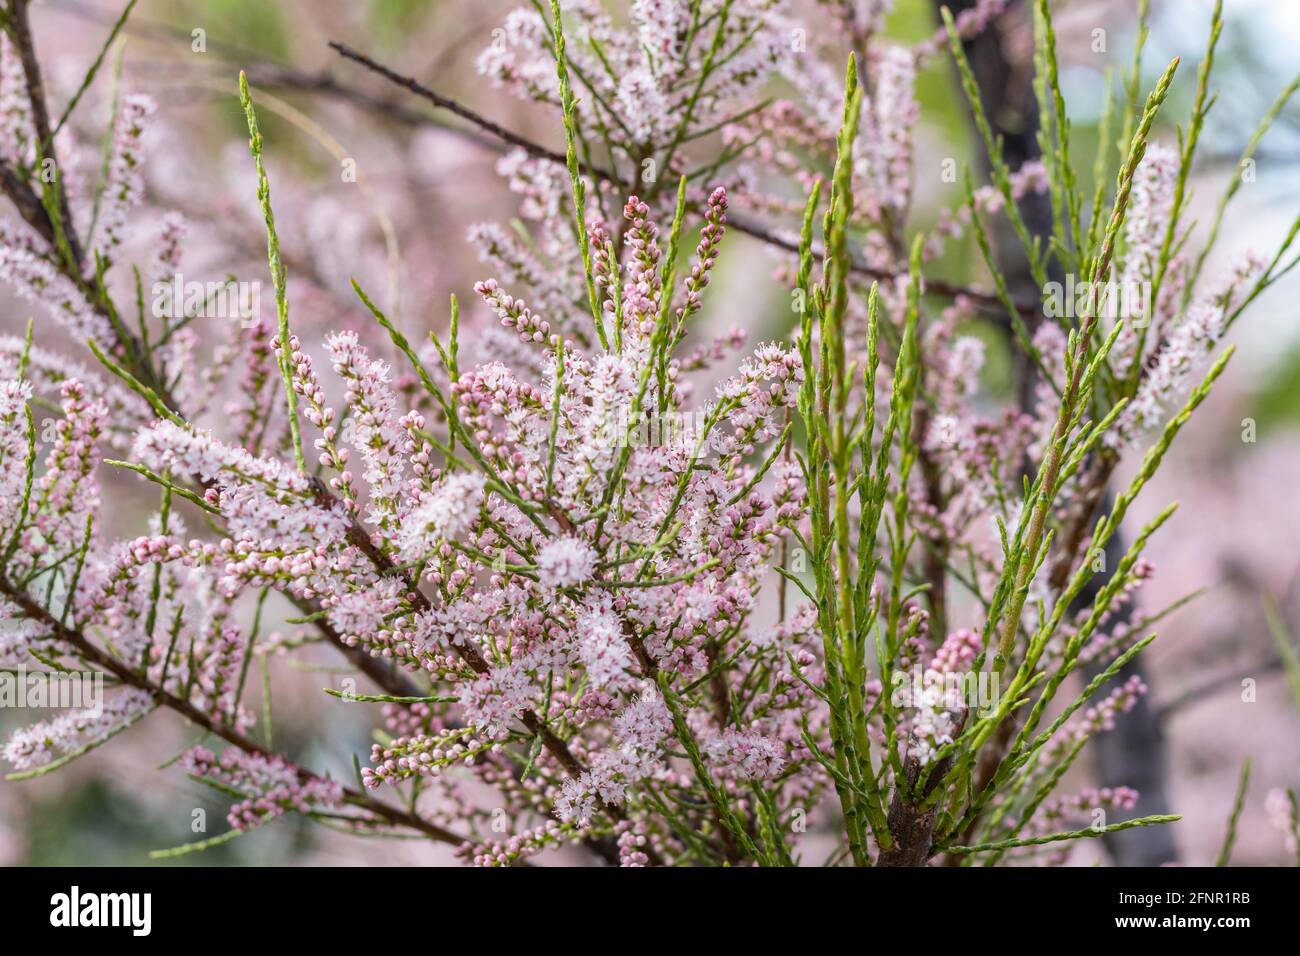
(201, 906)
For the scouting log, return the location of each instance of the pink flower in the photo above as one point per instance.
(748, 754)
(40, 744)
(125, 187)
(565, 562)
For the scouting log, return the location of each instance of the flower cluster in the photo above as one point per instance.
(272, 785)
(125, 186)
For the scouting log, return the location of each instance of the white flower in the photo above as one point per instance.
(601, 646)
(566, 562)
(446, 513)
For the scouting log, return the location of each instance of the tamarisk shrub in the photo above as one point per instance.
(661, 618)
